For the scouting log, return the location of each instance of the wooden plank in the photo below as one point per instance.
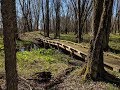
(79, 53)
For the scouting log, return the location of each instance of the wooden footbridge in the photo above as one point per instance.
(111, 61)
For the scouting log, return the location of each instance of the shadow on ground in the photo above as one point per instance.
(114, 51)
(109, 78)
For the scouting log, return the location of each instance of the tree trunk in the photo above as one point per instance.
(79, 23)
(95, 67)
(107, 28)
(118, 23)
(97, 11)
(43, 16)
(47, 19)
(9, 30)
(57, 11)
(76, 24)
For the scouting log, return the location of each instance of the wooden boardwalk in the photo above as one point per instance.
(111, 62)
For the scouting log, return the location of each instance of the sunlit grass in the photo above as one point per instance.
(38, 60)
(30, 62)
(41, 60)
(69, 37)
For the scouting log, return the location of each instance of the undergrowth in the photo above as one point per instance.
(41, 60)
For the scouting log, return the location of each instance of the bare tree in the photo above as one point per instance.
(46, 34)
(57, 12)
(118, 16)
(36, 13)
(26, 14)
(74, 5)
(95, 67)
(43, 16)
(107, 29)
(82, 10)
(9, 30)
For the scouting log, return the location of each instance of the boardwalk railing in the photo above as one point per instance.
(81, 54)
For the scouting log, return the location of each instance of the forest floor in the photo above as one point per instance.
(32, 59)
(111, 58)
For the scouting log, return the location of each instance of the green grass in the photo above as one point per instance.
(1, 43)
(69, 37)
(115, 42)
(41, 60)
(1, 55)
(23, 42)
(30, 62)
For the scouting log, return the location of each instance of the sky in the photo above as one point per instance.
(63, 4)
